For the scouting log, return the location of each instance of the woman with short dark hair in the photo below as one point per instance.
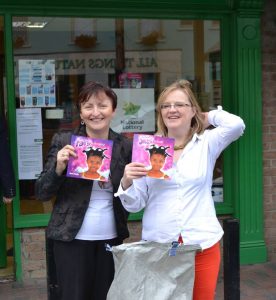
(86, 214)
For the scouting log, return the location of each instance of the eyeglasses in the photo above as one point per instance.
(176, 105)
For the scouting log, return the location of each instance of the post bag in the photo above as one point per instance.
(153, 271)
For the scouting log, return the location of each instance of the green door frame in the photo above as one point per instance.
(250, 169)
(241, 79)
(3, 211)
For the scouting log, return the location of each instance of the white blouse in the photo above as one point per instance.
(99, 220)
(184, 204)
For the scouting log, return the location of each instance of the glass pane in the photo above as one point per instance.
(54, 57)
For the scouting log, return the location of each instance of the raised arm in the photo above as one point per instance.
(227, 128)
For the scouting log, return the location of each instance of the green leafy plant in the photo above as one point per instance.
(130, 108)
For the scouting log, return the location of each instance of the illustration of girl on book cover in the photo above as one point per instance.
(155, 152)
(158, 156)
(93, 159)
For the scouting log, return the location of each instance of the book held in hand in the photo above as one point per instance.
(155, 152)
(93, 158)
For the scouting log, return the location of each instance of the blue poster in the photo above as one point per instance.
(37, 83)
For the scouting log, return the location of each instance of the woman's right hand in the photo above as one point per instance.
(63, 156)
(132, 171)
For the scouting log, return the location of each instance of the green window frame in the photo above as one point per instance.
(241, 94)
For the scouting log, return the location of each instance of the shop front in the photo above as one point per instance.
(49, 51)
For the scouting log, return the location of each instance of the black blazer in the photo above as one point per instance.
(73, 195)
(7, 179)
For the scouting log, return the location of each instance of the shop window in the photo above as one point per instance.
(150, 31)
(84, 32)
(20, 32)
(185, 25)
(48, 77)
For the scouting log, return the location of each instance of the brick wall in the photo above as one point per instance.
(269, 124)
(135, 228)
(33, 253)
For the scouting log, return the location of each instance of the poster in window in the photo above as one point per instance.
(130, 80)
(29, 143)
(37, 83)
(135, 110)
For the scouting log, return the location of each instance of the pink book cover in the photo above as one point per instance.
(155, 152)
(130, 80)
(93, 158)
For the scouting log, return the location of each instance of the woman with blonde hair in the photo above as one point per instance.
(183, 206)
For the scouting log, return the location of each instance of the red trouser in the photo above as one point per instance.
(207, 265)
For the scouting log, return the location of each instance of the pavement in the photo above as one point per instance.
(257, 282)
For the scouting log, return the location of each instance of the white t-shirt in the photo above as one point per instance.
(99, 220)
(184, 204)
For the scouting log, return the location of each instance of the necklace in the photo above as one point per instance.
(179, 147)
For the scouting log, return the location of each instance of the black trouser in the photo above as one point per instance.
(85, 269)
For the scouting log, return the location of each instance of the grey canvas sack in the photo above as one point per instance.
(153, 271)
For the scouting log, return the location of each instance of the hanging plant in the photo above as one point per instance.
(85, 41)
(150, 39)
(18, 42)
